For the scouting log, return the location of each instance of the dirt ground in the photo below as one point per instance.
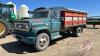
(88, 44)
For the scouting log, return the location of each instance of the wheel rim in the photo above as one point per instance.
(2, 29)
(43, 42)
(79, 31)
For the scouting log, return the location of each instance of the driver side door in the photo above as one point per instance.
(55, 22)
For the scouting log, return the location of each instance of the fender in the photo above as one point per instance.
(36, 29)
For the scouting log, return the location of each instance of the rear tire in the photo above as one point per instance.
(77, 31)
(3, 29)
(42, 41)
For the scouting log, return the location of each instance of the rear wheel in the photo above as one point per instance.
(3, 29)
(77, 31)
(42, 41)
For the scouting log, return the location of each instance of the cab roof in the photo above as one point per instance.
(8, 5)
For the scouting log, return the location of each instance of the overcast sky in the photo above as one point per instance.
(91, 6)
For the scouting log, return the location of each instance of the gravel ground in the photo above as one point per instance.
(88, 44)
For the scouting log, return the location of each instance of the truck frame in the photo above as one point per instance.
(48, 24)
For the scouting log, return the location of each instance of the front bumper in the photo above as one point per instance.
(25, 37)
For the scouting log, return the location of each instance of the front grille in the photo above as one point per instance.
(22, 26)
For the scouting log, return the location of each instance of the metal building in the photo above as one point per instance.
(23, 12)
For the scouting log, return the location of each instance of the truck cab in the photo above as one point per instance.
(46, 24)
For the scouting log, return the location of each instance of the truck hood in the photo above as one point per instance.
(37, 22)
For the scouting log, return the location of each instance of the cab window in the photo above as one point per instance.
(5, 12)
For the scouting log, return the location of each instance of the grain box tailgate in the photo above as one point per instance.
(73, 18)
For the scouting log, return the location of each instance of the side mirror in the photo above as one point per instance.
(30, 12)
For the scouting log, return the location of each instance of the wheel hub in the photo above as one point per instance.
(43, 41)
(79, 31)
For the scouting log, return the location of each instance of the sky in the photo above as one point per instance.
(92, 7)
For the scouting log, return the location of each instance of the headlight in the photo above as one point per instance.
(21, 26)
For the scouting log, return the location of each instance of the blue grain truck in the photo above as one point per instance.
(47, 24)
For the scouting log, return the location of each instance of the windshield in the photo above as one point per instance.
(5, 12)
(40, 14)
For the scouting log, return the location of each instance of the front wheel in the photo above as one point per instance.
(3, 29)
(42, 41)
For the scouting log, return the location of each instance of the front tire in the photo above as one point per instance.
(42, 41)
(3, 29)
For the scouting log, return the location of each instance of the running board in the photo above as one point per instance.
(58, 36)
